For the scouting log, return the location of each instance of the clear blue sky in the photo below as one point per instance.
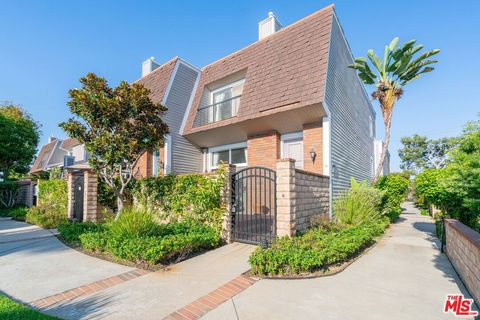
(47, 46)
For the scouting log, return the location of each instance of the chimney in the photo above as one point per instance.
(51, 138)
(268, 26)
(148, 66)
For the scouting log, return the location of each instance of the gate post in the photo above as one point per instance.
(70, 195)
(227, 203)
(286, 198)
(90, 204)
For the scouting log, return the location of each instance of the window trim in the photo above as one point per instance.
(229, 147)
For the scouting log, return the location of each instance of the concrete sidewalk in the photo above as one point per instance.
(404, 277)
(34, 264)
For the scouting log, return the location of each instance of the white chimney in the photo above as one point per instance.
(51, 138)
(148, 66)
(268, 26)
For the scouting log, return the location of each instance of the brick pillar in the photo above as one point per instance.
(70, 195)
(227, 203)
(286, 197)
(90, 204)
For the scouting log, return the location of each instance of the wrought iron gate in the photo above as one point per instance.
(78, 192)
(254, 205)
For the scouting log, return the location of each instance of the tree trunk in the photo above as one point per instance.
(387, 120)
(120, 205)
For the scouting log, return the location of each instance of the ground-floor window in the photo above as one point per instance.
(233, 153)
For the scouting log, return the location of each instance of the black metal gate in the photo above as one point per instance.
(78, 192)
(254, 205)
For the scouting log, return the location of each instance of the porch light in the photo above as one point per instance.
(313, 155)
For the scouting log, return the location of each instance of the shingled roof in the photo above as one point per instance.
(45, 153)
(157, 80)
(69, 143)
(284, 71)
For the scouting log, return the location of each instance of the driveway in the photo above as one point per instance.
(404, 277)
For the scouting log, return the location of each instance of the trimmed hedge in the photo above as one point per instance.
(316, 249)
(17, 213)
(395, 188)
(11, 310)
(52, 204)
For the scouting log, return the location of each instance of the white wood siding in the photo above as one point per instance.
(186, 157)
(350, 109)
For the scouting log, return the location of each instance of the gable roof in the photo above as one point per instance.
(157, 80)
(44, 155)
(284, 71)
(69, 143)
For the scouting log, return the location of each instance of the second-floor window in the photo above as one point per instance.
(223, 104)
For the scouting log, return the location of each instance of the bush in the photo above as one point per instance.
(71, 231)
(11, 310)
(46, 216)
(395, 188)
(17, 213)
(359, 204)
(8, 193)
(51, 211)
(137, 237)
(187, 197)
(316, 249)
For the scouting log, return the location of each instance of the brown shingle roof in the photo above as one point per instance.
(69, 143)
(284, 71)
(43, 156)
(157, 80)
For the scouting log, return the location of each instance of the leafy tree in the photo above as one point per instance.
(398, 68)
(419, 153)
(19, 137)
(413, 153)
(117, 125)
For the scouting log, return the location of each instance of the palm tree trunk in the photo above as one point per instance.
(387, 120)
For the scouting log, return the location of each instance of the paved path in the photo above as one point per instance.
(404, 277)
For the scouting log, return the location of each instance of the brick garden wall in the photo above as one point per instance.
(463, 249)
(264, 150)
(301, 195)
(311, 195)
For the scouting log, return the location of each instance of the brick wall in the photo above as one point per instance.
(264, 149)
(313, 138)
(301, 195)
(143, 169)
(311, 194)
(463, 249)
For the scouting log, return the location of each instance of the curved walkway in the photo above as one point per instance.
(404, 277)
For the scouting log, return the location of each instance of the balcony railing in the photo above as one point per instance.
(218, 111)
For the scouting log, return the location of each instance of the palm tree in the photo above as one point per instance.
(397, 69)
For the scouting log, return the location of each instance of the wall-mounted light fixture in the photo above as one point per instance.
(313, 155)
(161, 165)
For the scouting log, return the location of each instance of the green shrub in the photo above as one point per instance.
(8, 193)
(137, 237)
(11, 310)
(18, 212)
(134, 222)
(359, 204)
(71, 231)
(51, 211)
(46, 216)
(395, 188)
(316, 249)
(186, 197)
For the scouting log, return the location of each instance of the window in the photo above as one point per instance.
(234, 154)
(225, 101)
(292, 147)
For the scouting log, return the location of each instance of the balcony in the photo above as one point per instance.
(222, 110)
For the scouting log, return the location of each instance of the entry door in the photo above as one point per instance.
(294, 149)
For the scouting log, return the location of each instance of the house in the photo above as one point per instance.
(287, 95)
(59, 153)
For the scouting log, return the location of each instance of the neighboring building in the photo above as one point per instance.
(378, 146)
(59, 153)
(288, 95)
